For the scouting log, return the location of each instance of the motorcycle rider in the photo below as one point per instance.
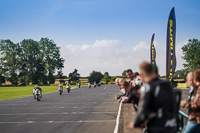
(68, 87)
(95, 84)
(37, 87)
(79, 84)
(60, 87)
(89, 85)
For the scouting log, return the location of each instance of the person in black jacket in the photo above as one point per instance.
(157, 109)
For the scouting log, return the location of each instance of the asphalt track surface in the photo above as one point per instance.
(83, 110)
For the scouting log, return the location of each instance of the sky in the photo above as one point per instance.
(102, 35)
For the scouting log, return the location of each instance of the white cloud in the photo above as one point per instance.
(97, 44)
(105, 43)
(140, 46)
(110, 55)
(179, 54)
(85, 47)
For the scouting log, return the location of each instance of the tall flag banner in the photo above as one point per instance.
(171, 36)
(153, 51)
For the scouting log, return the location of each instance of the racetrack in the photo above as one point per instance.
(83, 110)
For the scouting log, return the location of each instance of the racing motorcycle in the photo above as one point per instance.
(68, 87)
(60, 92)
(89, 85)
(60, 89)
(37, 94)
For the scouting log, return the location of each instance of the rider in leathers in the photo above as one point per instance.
(157, 109)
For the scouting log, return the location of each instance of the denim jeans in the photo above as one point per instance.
(192, 127)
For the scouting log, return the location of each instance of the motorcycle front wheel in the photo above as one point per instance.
(38, 98)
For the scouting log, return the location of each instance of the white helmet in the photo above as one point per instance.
(138, 81)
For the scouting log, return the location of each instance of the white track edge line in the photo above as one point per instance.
(117, 120)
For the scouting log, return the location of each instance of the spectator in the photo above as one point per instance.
(157, 109)
(120, 81)
(193, 124)
(126, 86)
(124, 89)
(130, 75)
(117, 81)
(189, 80)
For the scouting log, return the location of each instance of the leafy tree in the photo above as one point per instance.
(2, 79)
(51, 57)
(9, 60)
(74, 76)
(95, 77)
(179, 74)
(106, 77)
(31, 63)
(191, 55)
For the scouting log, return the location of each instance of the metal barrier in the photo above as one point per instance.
(183, 117)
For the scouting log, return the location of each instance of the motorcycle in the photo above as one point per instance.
(68, 89)
(60, 92)
(95, 85)
(89, 86)
(37, 94)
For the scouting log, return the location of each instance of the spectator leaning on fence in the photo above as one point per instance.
(120, 82)
(126, 87)
(130, 75)
(117, 81)
(134, 92)
(157, 109)
(193, 124)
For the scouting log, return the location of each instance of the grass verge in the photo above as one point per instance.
(7, 93)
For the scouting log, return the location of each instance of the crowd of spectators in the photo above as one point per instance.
(155, 100)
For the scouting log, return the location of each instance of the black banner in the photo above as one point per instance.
(171, 36)
(153, 51)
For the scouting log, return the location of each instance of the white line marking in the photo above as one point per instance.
(80, 121)
(117, 120)
(105, 87)
(112, 106)
(64, 113)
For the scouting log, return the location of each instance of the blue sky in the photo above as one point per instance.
(103, 35)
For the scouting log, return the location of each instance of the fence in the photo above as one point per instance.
(183, 118)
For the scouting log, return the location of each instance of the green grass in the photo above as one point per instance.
(23, 91)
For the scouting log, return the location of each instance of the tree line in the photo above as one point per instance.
(30, 61)
(191, 57)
